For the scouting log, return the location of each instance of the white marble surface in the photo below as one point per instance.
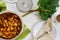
(31, 19)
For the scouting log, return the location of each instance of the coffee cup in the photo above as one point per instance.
(22, 5)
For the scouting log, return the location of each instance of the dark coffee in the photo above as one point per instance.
(58, 18)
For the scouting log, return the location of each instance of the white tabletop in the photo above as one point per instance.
(31, 19)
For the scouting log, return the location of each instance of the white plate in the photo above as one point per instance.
(56, 25)
(37, 27)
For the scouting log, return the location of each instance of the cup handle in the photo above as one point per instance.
(11, 1)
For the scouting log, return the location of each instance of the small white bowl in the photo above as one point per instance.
(54, 17)
(21, 22)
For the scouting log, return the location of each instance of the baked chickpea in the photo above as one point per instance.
(10, 26)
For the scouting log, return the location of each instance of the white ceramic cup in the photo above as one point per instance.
(22, 5)
(57, 20)
(54, 20)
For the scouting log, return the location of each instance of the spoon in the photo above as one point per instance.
(37, 27)
(47, 32)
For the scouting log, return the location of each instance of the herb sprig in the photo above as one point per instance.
(46, 8)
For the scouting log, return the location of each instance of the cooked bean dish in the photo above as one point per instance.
(10, 25)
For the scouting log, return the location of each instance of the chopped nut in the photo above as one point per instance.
(8, 29)
(12, 28)
(15, 24)
(4, 25)
(18, 23)
(0, 33)
(11, 18)
(18, 28)
(4, 36)
(5, 21)
(1, 29)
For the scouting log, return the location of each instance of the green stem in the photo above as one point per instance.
(29, 12)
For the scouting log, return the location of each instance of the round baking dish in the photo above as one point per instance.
(20, 20)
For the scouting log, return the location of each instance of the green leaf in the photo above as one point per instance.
(47, 5)
(43, 16)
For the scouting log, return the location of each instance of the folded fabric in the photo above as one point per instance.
(2, 5)
(25, 32)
